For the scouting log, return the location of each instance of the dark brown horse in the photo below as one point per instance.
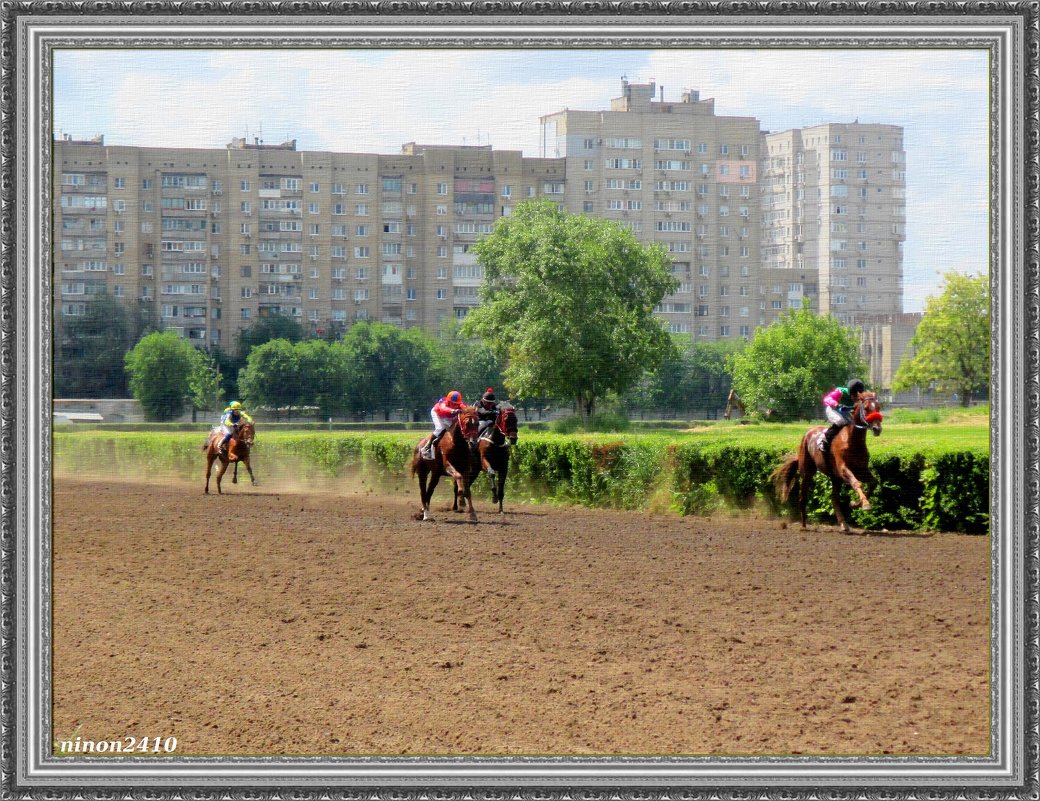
(494, 451)
(455, 456)
(847, 461)
(238, 447)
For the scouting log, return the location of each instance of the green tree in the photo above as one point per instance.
(204, 384)
(272, 377)
(323, 375)
(267, 328)
(468, 364)
(388, 367)
(89, 350)
(160, 367)
(951, 344)
(568, 300)
(788, 366)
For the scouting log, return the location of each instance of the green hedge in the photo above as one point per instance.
(922, 484)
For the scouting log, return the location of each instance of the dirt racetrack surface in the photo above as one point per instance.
(333, 624)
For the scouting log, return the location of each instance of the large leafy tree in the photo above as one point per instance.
(468, 364)
(787, 367)
(89, 350)
(695, 378)
(273, 378)
(568, 300)
(951, 344)
(389, 367)
(161, 367)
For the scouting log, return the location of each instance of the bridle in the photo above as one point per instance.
(866, 419)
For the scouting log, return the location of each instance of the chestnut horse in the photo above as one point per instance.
(494, 451)
(239, 446)
(455, 456)
(847, 460)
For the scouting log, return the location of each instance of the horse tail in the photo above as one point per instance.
(785, 478)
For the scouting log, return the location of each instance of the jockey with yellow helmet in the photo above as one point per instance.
(230, 420)
(443, 415)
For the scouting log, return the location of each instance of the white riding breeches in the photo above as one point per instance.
(836, 417)
(440, 423)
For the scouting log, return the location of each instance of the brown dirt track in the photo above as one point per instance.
(338, 625)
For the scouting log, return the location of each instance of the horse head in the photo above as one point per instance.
(245, 434)
(468, 425)
(506, 423)
(867, 412)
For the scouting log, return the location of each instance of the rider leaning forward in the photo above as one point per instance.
(487, 410)
(838, 410)
(443, 415)
(230, 420)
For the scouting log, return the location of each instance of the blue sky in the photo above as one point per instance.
(374, 101)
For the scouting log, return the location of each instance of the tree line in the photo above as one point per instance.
(567, 317)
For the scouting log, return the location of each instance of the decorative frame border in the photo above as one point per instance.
(30, 32)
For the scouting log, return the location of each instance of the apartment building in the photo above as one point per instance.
(756, 223)
(677, 174)
(834, 206)
(216, 239)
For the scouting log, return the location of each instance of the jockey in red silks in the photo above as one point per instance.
(443, 415)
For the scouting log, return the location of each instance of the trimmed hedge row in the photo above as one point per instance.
(930, 487)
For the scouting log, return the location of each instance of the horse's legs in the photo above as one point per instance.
(252, 478)
(852, 481)
(220, 474)
(234, 473)
(836, 503)
(426, 491)
(806, 471)
(209, 469)
(502, 486)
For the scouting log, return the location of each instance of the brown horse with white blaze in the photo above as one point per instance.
(848, 460)
(455, 455)
(238, 448)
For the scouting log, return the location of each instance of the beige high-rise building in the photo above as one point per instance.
(755, 223)
(834, 206)
(675, 174)
(216, 239)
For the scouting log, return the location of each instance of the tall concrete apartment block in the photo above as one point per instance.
(677, 174)
(834, 205)
(216, 239)
(755, 223)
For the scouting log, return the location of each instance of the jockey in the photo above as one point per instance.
(230, 420)
(487, 411)
(443, 415)
(838, 410)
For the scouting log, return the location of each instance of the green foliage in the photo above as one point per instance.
(160, 367)
(90, 350)
(272, 377)
(924, 482)
(951, 346)
(204, 383)
(789, 365)
(466, 363)
(569, 300)
(605, 422)
(390, 367)
(266, 329)
(694, 377)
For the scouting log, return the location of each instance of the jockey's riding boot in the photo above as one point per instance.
(431, 448)
(828, 437)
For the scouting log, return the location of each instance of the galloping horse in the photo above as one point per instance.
(494, 451)
(455, 455)
(240, 445)
(847, 461)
